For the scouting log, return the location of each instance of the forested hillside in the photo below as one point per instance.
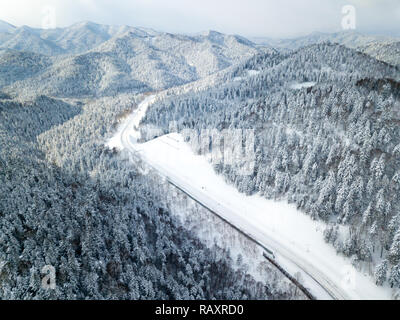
(90, 60)
(383, 48)
(388, 52)
(325, 119)
(326, 123)
(68, 201)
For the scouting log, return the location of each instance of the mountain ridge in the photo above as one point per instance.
(6, 27)
(352, 39)
(123, 58)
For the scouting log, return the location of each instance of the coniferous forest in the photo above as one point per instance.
(324, 116)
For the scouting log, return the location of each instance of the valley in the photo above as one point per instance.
(148, 165)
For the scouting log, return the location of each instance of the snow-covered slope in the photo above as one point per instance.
(294, 237)
(120, 59)
(297, 241)
(78, 38)
(388, 51)
(309, 110)
(351, 39)
(16, 65)
(85, 36)
(6, 27)
(383, 48)
(25, 39)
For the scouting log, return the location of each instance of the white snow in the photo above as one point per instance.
(133, 122)
(6, 27)
(251, 73)
(277, 224)
(302, 85)
(296, 240)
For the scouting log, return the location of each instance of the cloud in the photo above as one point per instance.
(373, 3)
(249, 18)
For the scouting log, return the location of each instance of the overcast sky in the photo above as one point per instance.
(272, 18)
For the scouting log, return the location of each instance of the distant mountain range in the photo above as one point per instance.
(93, 59)
(89, 59)
(383, 48)
(6, 27)
(385, 51)
(75, 39)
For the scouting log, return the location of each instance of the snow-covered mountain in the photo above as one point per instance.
(6, 27)
(85, 36)
(351, 39)
(387, 51)
(27, 39)
(117, 59)
(78, 38)
(17, 65)
(380, 47)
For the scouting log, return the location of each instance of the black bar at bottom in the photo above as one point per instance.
(149, 310)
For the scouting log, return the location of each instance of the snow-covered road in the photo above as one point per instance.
(296, 240)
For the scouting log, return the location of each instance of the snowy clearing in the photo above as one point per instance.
(302, 85)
